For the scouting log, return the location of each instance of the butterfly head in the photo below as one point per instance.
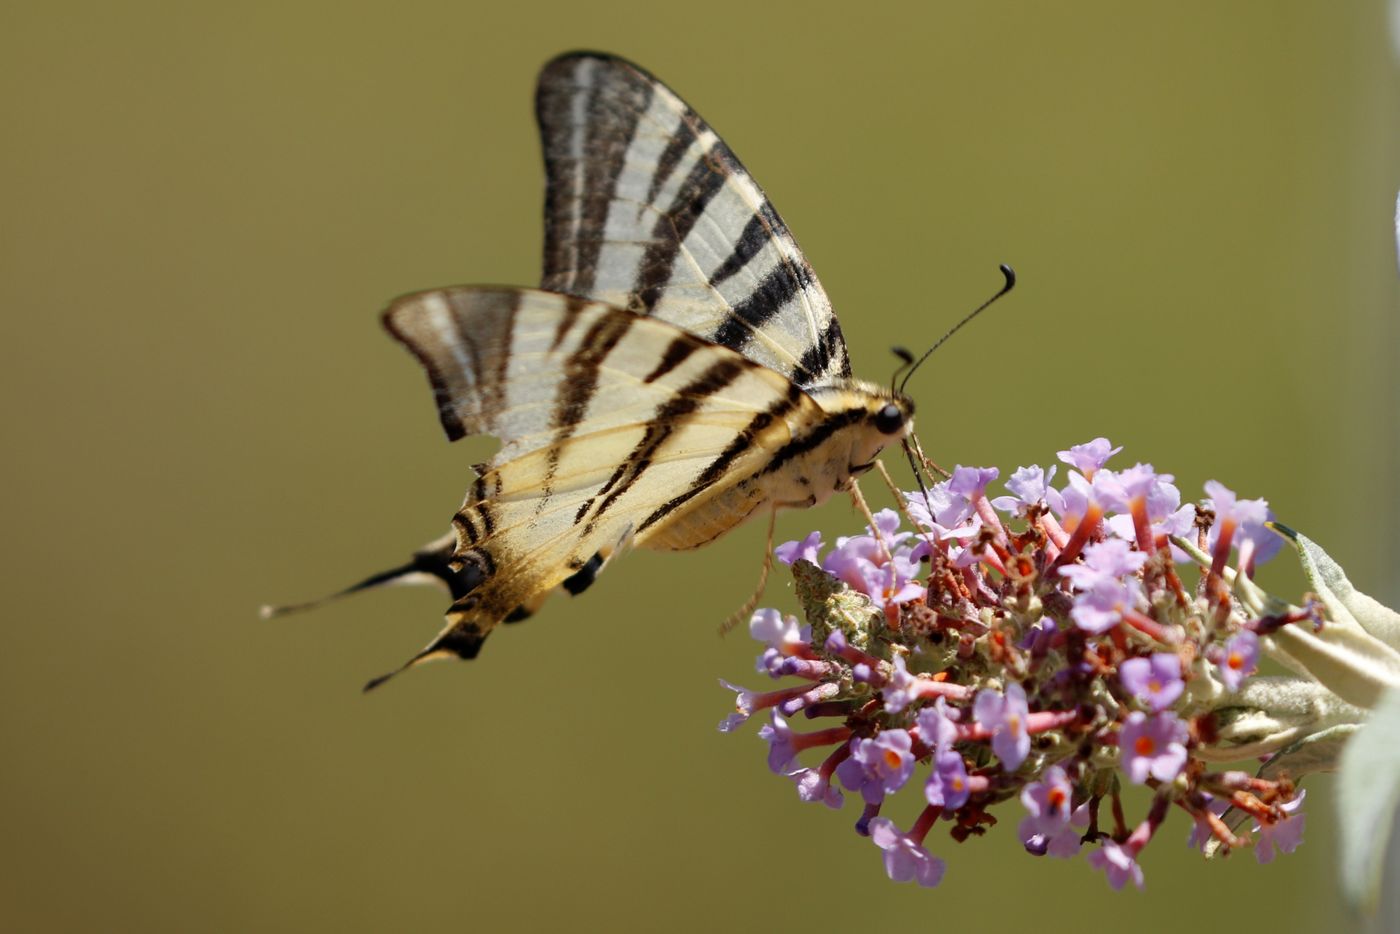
(864, 419)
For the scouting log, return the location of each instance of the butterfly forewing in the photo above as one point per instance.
(648, 209)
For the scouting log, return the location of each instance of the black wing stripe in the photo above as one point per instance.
(611, 112)
(717, 467)
(829, 345)
(675, 355)
(618, 146)
(579, 384)
(755, 235)
(765, 301)
(669, 417)
(699, 187)
(670, 157)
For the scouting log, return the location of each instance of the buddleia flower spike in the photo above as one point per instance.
(1028, 655)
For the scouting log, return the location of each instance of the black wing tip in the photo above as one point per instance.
(559, 67)
(373, 683)
(574, 55)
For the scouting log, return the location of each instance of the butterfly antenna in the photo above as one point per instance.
(907, 357)
(1010, 284)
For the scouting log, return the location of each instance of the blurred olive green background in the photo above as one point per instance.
(204, 208)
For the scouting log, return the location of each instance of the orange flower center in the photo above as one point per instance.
(892, 759)
(1144, 746)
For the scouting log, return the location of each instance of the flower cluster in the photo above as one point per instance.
(1040, 648)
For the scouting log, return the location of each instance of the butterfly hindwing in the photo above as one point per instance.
(616, 428)
(648, 209)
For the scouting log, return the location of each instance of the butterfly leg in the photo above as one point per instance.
(744, 612)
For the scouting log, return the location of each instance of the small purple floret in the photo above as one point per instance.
(947, 786)
(806, 550)
(937, 727)
(1005, 717)
(1240, 660)
(1154, 680)
(1118, 863)
(1285, 834)
(813, 786)
(1090, 456)
(905, 859)
(1031, 486)
(899, 691)
(1153, 746)
(781, 752)
(1050, 803)
(878, 766)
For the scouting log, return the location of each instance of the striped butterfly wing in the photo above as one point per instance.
(610, 422)
(648, 209)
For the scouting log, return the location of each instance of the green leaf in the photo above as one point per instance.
(1357, 660)
(1330, 581)
(1368, 788)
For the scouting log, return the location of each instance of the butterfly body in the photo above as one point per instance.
(679, 371)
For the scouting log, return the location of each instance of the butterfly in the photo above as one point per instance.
(678, 371)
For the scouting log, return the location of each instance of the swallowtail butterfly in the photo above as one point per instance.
(678, 371)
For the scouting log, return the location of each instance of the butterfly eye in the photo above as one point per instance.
(889, 419)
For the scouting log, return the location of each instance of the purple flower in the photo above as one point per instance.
(805, 550)
(1067, 842)
(947, 786)
(1155, 680)
(813, 785)
(1050, 803)
(1245, 518)
(1088, 458)
(743, 708)
(878, 766)
(877, 566)
(1154, 746)
(1121, 865)
(1052, 827)
(782, 634)
(781, 751)
(1005, 717)
(1111, 560)
(937, 727)
(1284, 834)
(941, 510)
(776, 630)
(905, 858)
(1107, 584)
(1165, 514)
(897, 583)
(1101, 608)
(971, 482)
(1031, 485)
(901, 690)
(1240, 659)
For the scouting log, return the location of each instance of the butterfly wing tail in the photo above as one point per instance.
(430, 564)
(461, 638)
